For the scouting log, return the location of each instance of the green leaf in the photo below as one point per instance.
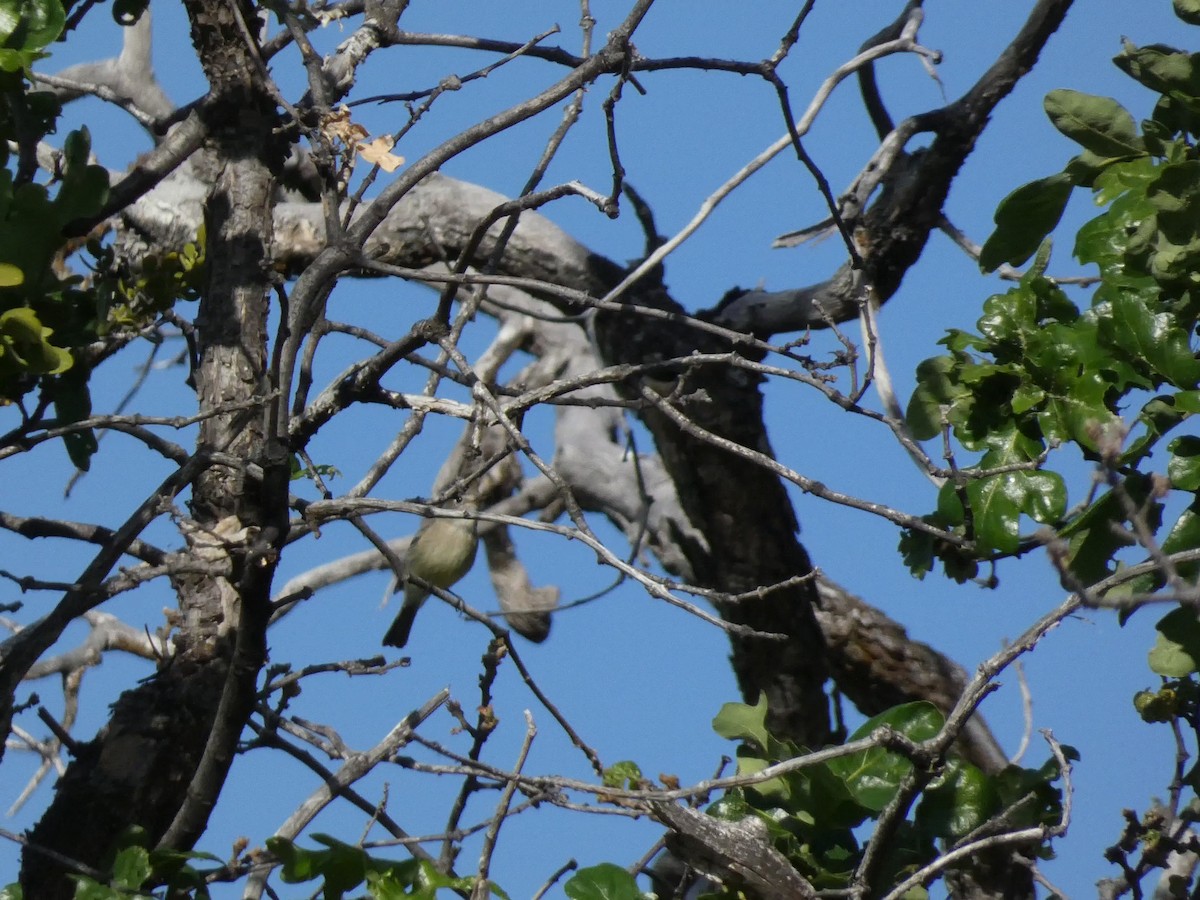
(132, 868)
(1160, 706)
(1008, 443)
(956, 803)
(822, 798)
(1176, 652)
(916, 549)
(298, 864)
(731, 807)
(1183, 535)
(1105, 239)
(1099, 124)
(1083, 411)
(173, 868)
(1045, 495)
(949, 504)
(1188, 10)
(1085, 168)
(1161, 68)
(343, 866)
(428, 881)
(1154, 336)
(88, 889)
(1037, 269)
(996, 512)
(30, 232)
(873, 776)
(10, 275)
(1175, 194)
(387, 880)
(925, 414)
(1093, 541)
(1125, 175)
(23, 339)
(1026, 397)
(1013, 784)
(603, 882)
(920, 549)
(85, 186)
(73, 402)
(1009, 316)
(624, 774)
(18, 60)
(1057, 353)
(29, 25)
(1158, 417)
(938, 389)
(1187, 401)
(389, 885)
(739, 722)
(772, 791)
(26, 350)
(1023, 219)
(1183, 468)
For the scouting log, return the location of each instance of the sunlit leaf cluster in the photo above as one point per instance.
(48, 313)
(815, 814)
(1115, 378)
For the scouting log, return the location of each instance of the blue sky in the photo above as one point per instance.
(639, 680)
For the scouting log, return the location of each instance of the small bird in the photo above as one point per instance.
(441, 552)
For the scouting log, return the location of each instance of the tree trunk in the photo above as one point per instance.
(160, 761)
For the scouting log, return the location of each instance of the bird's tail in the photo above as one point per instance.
(397, 635)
